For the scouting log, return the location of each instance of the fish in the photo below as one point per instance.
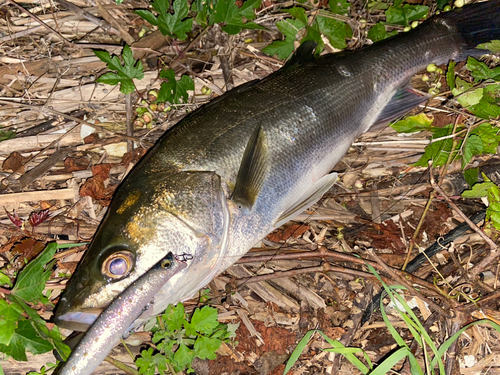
(254, 158)
(116, 320)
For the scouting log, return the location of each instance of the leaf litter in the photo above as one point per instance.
(380, 209)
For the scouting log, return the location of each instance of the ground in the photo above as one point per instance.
(70, 153)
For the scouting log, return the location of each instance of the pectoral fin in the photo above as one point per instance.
(311, 196)
(253, 170)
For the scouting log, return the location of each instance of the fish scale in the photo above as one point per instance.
(233, 170)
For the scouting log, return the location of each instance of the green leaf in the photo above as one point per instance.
(413, 124)
(404, 15)
(378, 5)
(31, 280)
(205, 320)
(493, 46)
(247, 10)
(146, 363)
(125, 73)
(336, 31)
(377, 32)
(450, 75)
(473, 146)
(470, 98)
(25, 338)
(9, 316)
(183, 357)
(339, 7)
(485, 110)
(471, 176)
(169, 23)
(489, 137)
(205, 347)
(439, 151)
(442, 3)
(7, 134)
(174, 317)
(461, 86)
(299, 14)
(479, 190)
(227, 13)
(284, 48)
(172, 91)
(480, 70)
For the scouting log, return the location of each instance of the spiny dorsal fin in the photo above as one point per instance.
(253, 170)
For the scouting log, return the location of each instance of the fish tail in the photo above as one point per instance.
(477, 23)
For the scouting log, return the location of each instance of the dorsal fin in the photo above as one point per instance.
(304, 54)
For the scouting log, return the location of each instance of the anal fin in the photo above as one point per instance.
(311, 196)
(403, 101)
(253, 170)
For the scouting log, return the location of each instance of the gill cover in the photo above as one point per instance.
(151, 215)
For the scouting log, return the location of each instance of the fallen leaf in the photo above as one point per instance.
(78, 164)
(92, 138)
(294, 230)
(14, 163)
(102, 170)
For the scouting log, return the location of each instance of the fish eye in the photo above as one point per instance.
(166, 264)
(118, 264)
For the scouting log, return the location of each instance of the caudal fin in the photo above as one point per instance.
(477, 23)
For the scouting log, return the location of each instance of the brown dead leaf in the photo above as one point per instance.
(92, 138)
(75, 164)
(102, 170)
(133, 156)
(14, 163)
(388, 238)
(294, 230)
(27, 249)
(94, 187)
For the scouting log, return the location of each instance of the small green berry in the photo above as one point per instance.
(407, 28)
(439, 71)
(431, 68)
(425, 77)
(414, 24)
(459, 3)
(447, 8)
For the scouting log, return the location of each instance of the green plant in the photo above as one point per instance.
(179, 341)
(124, 73)
(21, 328)
(412, 323)
(173, 90)
(489, 190)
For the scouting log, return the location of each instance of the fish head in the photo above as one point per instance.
(185, 213)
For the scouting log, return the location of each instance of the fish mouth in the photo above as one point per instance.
(77, 320)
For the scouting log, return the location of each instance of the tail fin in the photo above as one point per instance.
(478, 23)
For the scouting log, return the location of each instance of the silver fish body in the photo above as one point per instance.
(110, 326)
(243, 164)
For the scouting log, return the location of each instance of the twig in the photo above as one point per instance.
(31, 15)
(493, 247)
(122, 366)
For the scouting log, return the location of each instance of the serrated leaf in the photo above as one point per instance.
(227, 13)
(485, 110)
(174, 23)
(377, 32)
(205, 347)
(479, 190)
(299, 14)
(336, 31)
(25, 338)
(284, 48)
(125, 73)
(413, 124)
(480, 70)
(31, 280)
(461, 86)
(339, 7)
(247, 10)
(205, 320)
(147, 16)
(9, 316)
(174, 317)
(404, 15)
(493, 46)
(489, 137)
(473, 146)
(183, 357)
(172, 91)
